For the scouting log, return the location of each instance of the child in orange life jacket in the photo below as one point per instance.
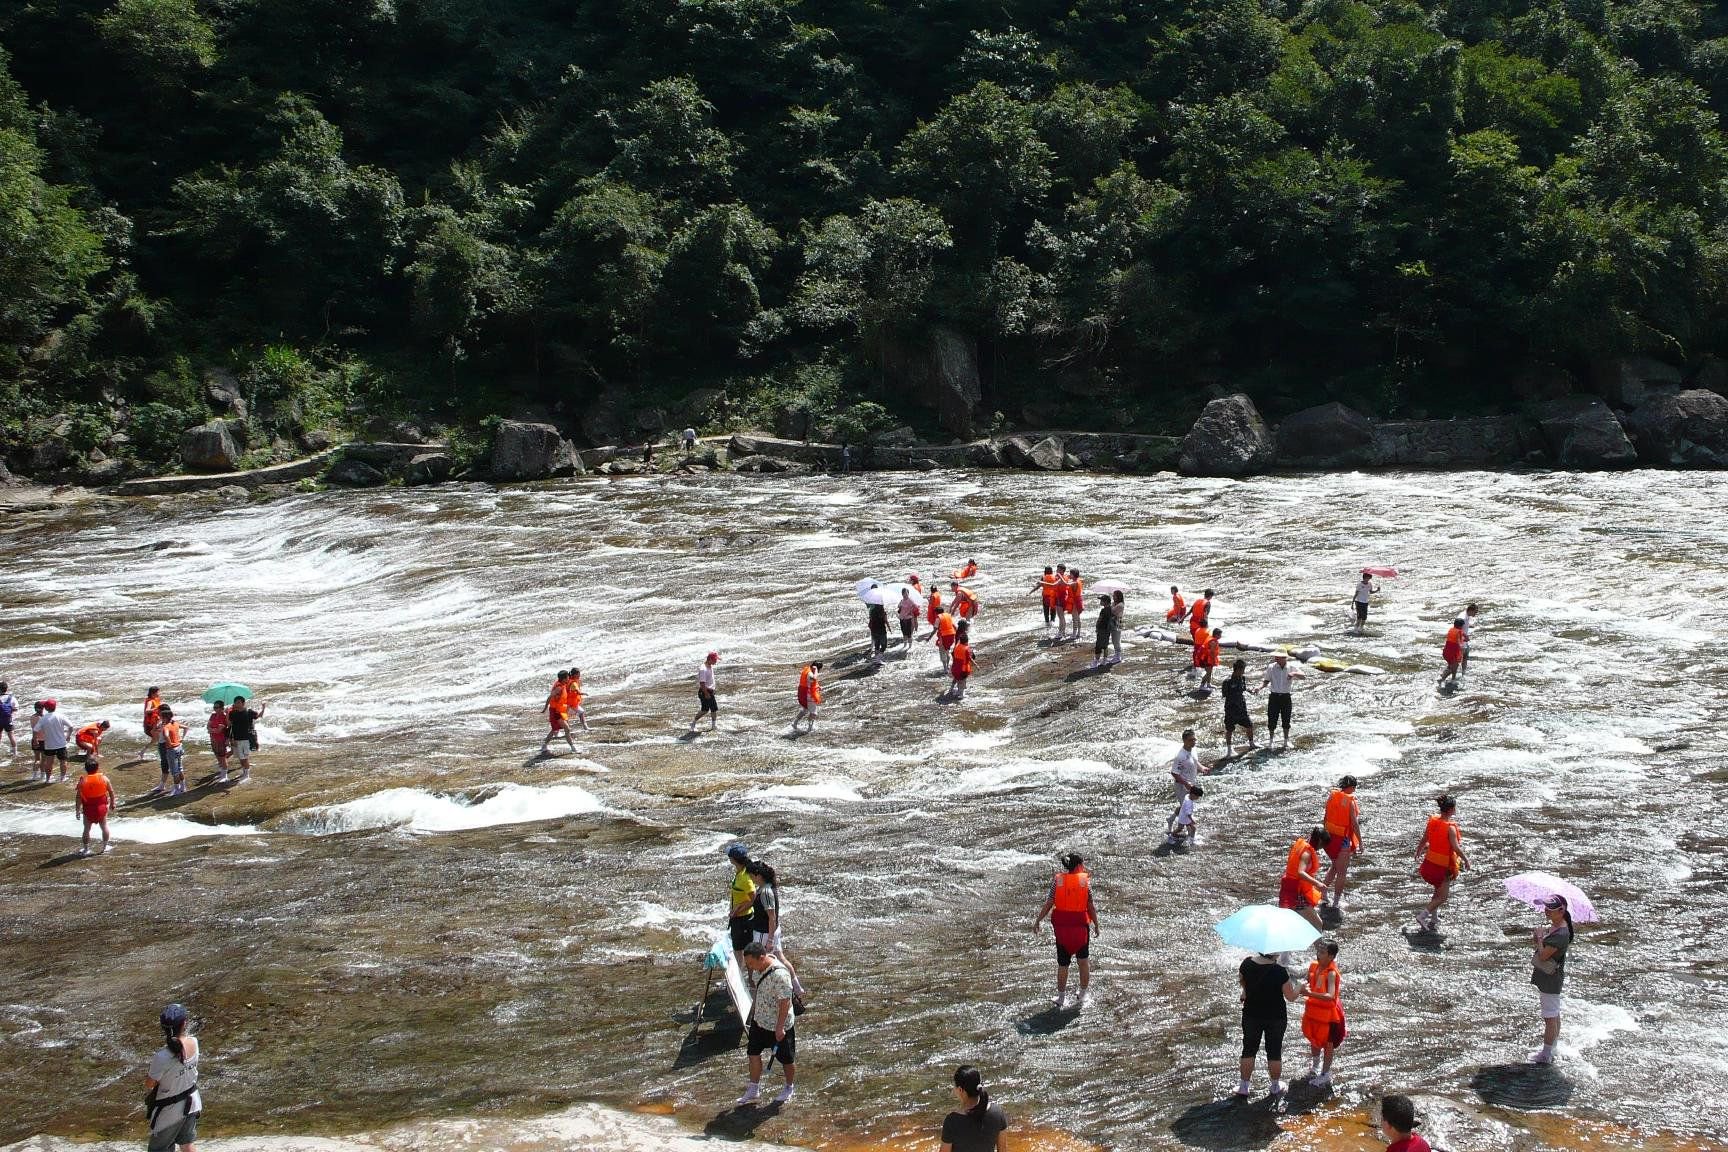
(171, 737)
(1209, 657)
(960, 666)
(1453, 651)
(1059, 600)
(1180, 826)
(945, 630)
(1323, 1014)
(557, 708)
(809, 694)
(1076, 602)
(1046, 588)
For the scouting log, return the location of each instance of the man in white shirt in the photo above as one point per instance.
(689, 440)
(710, 704)
(1277, 678)
(1186, 769)
(772, 1028)
(54, 731)
(1364, 590)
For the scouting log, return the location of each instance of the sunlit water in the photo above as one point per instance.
(464, 930)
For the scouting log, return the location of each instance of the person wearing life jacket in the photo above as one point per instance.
(1201, 637)
(809, 694)
(152, 712)
(1074, 918)
(1076, 602)
(960, 665)
(1064, 585)
(1453, 650)
(556, 710)
(1046, 588)
(1439, 859)
(94, 799)
(967, 570)
(1209, 656)
(933, 609)
(741, 909)
(573, 700)
(946, 631)
(1200, 612)
(1344, 829)
(172, 740)
(965, 603)
(1178, 607)
(1300, 888)
(89, 739)
(1323, 1014)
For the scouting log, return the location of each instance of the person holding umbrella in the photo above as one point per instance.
(1365, 589)
(1560, 903)
(1267, 989)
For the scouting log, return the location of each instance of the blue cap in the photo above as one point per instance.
(738, 852)
(174, 1015)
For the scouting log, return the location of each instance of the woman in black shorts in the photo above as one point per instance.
(1235, 692)
(1266, 988)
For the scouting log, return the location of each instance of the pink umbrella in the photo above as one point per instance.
(1535, 888)
(1383, 573)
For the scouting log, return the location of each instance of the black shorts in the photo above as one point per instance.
(742, 929)
(1063, 956)
(1361, 612)
(907, 627)
(5, 725)
(54, 754)
(762, 1039)
(705, 697)
(1271, 1029)
(1278, 708)
(1237, 716)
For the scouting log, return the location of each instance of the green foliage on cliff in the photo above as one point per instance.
(449, 207)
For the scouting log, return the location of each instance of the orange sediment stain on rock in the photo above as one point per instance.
(1354, 1130)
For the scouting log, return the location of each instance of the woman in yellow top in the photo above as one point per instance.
(741, 912)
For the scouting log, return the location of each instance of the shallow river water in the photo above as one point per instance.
(408, 919)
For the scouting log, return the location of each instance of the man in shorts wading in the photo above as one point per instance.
(708, 703)
(54, 731)
(771, 1025)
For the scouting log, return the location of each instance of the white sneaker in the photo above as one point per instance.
(179, 790)
(1061, 1001)
(1542, 1055)
(83, 851)
(1244, 1089)
(1277, 1089)
(104, 850)
(1321, 1080)
(221, 777)
(785, 1094)
(751, 1094)
(1080, 1000)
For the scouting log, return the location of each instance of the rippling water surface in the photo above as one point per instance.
(409, 917)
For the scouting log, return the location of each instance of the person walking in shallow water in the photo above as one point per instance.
(1235, 692)
(1365, 590)
(1439, 860)
(708, 703)
(1074, 919)
(772, 1028)
(1548, 972)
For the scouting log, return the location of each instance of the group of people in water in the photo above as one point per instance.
(232, 727)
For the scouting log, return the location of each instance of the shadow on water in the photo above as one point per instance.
(1228, 1124)
(700, 1046)
(741, 1122)
(1421, 940)
(1047, 1022)
(1087, 673)
(1522, 1086)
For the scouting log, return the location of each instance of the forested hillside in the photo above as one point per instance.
(445, 209)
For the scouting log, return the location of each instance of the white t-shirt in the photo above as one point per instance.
(1363, 590)
(689, 433)
(1469, 626)
(1278, 678)
(1187, 766)
(705, 676)
(1185, 813)
(172, 1078)
(53, 730)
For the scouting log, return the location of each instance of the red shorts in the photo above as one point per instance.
(1291, 894)
(945, 642)
(1336, 845)
(1451, 653)
(557, 721)
(95, 811)
(1321, 1031)
(1434, 874)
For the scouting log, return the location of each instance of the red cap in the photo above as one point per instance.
(50, 704)
(713, 655)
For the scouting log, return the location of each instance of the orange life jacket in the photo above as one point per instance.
(966, 572)
(1439, 836)
(89, 736)
(1340, 807)
(1324, 978)
(1454, 640)
(1049, 589)
(1178, 608)
(93, 787)
(1209, 652)
(945, 626)
(171, 734)
(152, 710)
(1076, 595)
(962, 662)
(1202, 613)
(1201, 639)
(966, 602)
(1072, 893)
(572, 694)
(1302, 853)
(933, 606)
(809, 688)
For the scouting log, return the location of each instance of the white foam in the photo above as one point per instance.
(1018, 774)
(420, 811)
(845, 791)
(29, 821)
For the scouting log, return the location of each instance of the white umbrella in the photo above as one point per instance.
(1107, 587)
(886, 592)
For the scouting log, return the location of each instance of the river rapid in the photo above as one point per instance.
(408, 919)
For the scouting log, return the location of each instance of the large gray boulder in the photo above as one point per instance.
(222, 391)
(1583, 433)
(1686, 430)
(1048, 455)
(954, 360)
(1330, 436)
(1632, 381)
(523, 451)
(350, 472)
(1471, 442)
(986, 454)
(211, 447)
(429, 468)
(1229, 439)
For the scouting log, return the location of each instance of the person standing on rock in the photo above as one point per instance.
(772, 1028)
(1548, 973)
(932, 610)
(55, 732)
(173, 1105)
(1186, 769)
(1439, 860)
(1279, 708)
(1101, 644)
(217, 727)
(1235, 691)
(8, 709)
(1118, 609)
(1469, 619)
(878, 621)
(978, 1124)
(689, 441)
(1047, 587)
(809, 694)
(557, 714)
(1453, 652)
(1200, 613)
(1074, 919)
(1064, 587)
(1343, 823)
(1076, 601)
(243, 734)
(960, 661)
(1209, 657)
(1365, 589)
(708, 704)
(93, 801)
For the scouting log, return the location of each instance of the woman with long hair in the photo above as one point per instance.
(173, 1104)
(1548, 972)
(765, 916)
(977, 1124)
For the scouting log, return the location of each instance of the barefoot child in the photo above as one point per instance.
(1180, 827)
(960, 667)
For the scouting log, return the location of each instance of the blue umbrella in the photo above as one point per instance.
(225, 693)
(1266, 929)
